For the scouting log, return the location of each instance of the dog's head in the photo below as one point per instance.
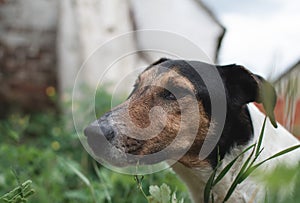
(170, 98)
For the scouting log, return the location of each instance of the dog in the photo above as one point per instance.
(182, 101)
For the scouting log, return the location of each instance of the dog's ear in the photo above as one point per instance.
(267, 96)
(159, 61)
(243, 87)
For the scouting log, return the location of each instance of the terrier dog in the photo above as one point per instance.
(184, 105)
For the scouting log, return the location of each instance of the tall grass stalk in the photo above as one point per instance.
(140, 186)
(84, 179)
(100, 177)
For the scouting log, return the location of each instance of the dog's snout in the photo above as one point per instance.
(99, 134)
(100, 127)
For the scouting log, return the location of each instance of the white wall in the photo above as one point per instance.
(188, 19)
(86, 25)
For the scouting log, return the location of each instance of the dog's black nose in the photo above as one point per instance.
(107, 131)
(98, 137)
(100, 128)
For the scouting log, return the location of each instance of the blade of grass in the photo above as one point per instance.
(237, 179)
(29, 193)
(84, 179)
(98, 173)
(140, 186)
(23, 191)
(229, 166)
(252, 168)
(246, 168)
(255, 158)
(79, 174)
(18, 181)
(279, 154)
(260, 137)
(247, 173)
(208, 186)
(209, 183)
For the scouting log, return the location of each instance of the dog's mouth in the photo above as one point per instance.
(132, 146)
(102, 149)
(119, 153)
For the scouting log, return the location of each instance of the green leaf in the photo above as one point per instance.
(29, 193)
(155, 192)
(252, 168)
(174, 198)
(209, 185)
(260, 137)
(247, 173)
(165, 193)
(229, 166)
(78, 195)
(210, 182)
(237, 179)
(79, 174)
(20, 193)
(160, 194)
(285, 151)
(99, 175)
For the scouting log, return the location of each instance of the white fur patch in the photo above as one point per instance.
(275, 140)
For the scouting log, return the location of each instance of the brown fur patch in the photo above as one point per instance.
(147, 95)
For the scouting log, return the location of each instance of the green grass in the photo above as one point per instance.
(44, 148)
(47, 157)
(19, 194)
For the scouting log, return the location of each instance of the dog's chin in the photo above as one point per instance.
(118, 156)
(122, 160)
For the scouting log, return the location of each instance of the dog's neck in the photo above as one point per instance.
(196, 179)
(274, 141)
(237, 133)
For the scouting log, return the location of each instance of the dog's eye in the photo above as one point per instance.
(167, 95)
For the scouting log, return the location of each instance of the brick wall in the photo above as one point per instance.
(27, 54)
(281, 115)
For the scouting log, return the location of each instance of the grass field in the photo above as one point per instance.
(42, 160)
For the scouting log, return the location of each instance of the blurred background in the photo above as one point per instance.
(44, 43)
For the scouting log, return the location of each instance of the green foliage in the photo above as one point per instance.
(44, 147)
(162, 194)
(282, 184)
(19, 194)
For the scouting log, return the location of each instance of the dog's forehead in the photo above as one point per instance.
(162, 76)
(149, 74)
